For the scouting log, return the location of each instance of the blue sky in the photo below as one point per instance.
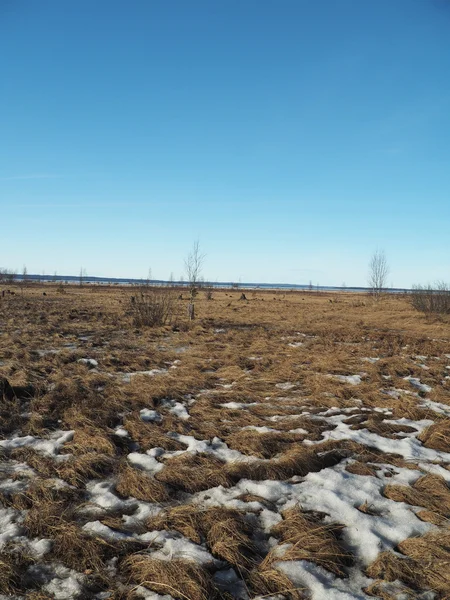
(291, 137)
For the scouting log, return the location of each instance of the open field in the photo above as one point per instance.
(291, 445)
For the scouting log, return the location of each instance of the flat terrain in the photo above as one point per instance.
(291, 445)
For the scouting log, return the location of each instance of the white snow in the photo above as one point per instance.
(322, 584)
(238, 405)
(145, 462)
(49, 446)
(90, 362)
(415, 382)
(150, 415)
(66, 584)
(126, 377)
(10, 528)
(105, 532)
(285, 386)
(351, 379)
(408, 447)
(174, 546)
(216, 447)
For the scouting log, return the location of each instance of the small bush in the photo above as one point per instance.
(432, 300)
(153, 307)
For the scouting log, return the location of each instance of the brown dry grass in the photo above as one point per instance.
(437, 436)
(425, 566)
(194, 473)
(311, 539)
(235, 352)
(430, 491)
(135, 483)
(226, 532)
(180, 579)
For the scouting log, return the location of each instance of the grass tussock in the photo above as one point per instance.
(226, 532)
(425, 565)
(430, 491)
(194, 473)
(298, 460)
(148, 435)
(437, 436)
(261, 445)
(267, 582)
(135, 483)
(12, 568)
(80, 469)
(179, 579)
(310, 539)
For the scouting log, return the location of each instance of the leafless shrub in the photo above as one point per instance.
(432, 300)
(7, 276)
(153, 307)
(193, 265)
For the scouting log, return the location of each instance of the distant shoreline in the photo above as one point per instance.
(74, 279)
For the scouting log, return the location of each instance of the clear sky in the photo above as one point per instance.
(292, 137)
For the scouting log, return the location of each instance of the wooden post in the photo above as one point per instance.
(191, 311)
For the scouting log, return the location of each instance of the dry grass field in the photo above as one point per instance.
(288, 446)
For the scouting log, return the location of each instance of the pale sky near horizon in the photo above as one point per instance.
(291, 137)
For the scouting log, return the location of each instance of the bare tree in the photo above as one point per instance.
(193, 266)
(378, 273)
(24, 277)
(82, 276)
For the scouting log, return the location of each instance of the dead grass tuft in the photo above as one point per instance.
(311, 540)
(186, 519)
(430, 491)
(270, 583)
(299, 460)
(80, 469)
(437, 436)
(12, 568)
(261, 445)
(148, 435)
(226, 531)
(180, 579)
(194, 473)
(424, 567)
(135, 483)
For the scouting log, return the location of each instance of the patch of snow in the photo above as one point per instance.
(443, 409)
(10, 528)
(351, 379)
(409, 447)
(216, 447)
(65, 585)
(175, 546)
(121, 432)
(285, 386)
(126, 377)
(238, 405)
(90, 362)
(259, 429)
(145, 462)
(49, 447)
(415, 382)
(105, 532)
(150, 415)
(323, 584)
